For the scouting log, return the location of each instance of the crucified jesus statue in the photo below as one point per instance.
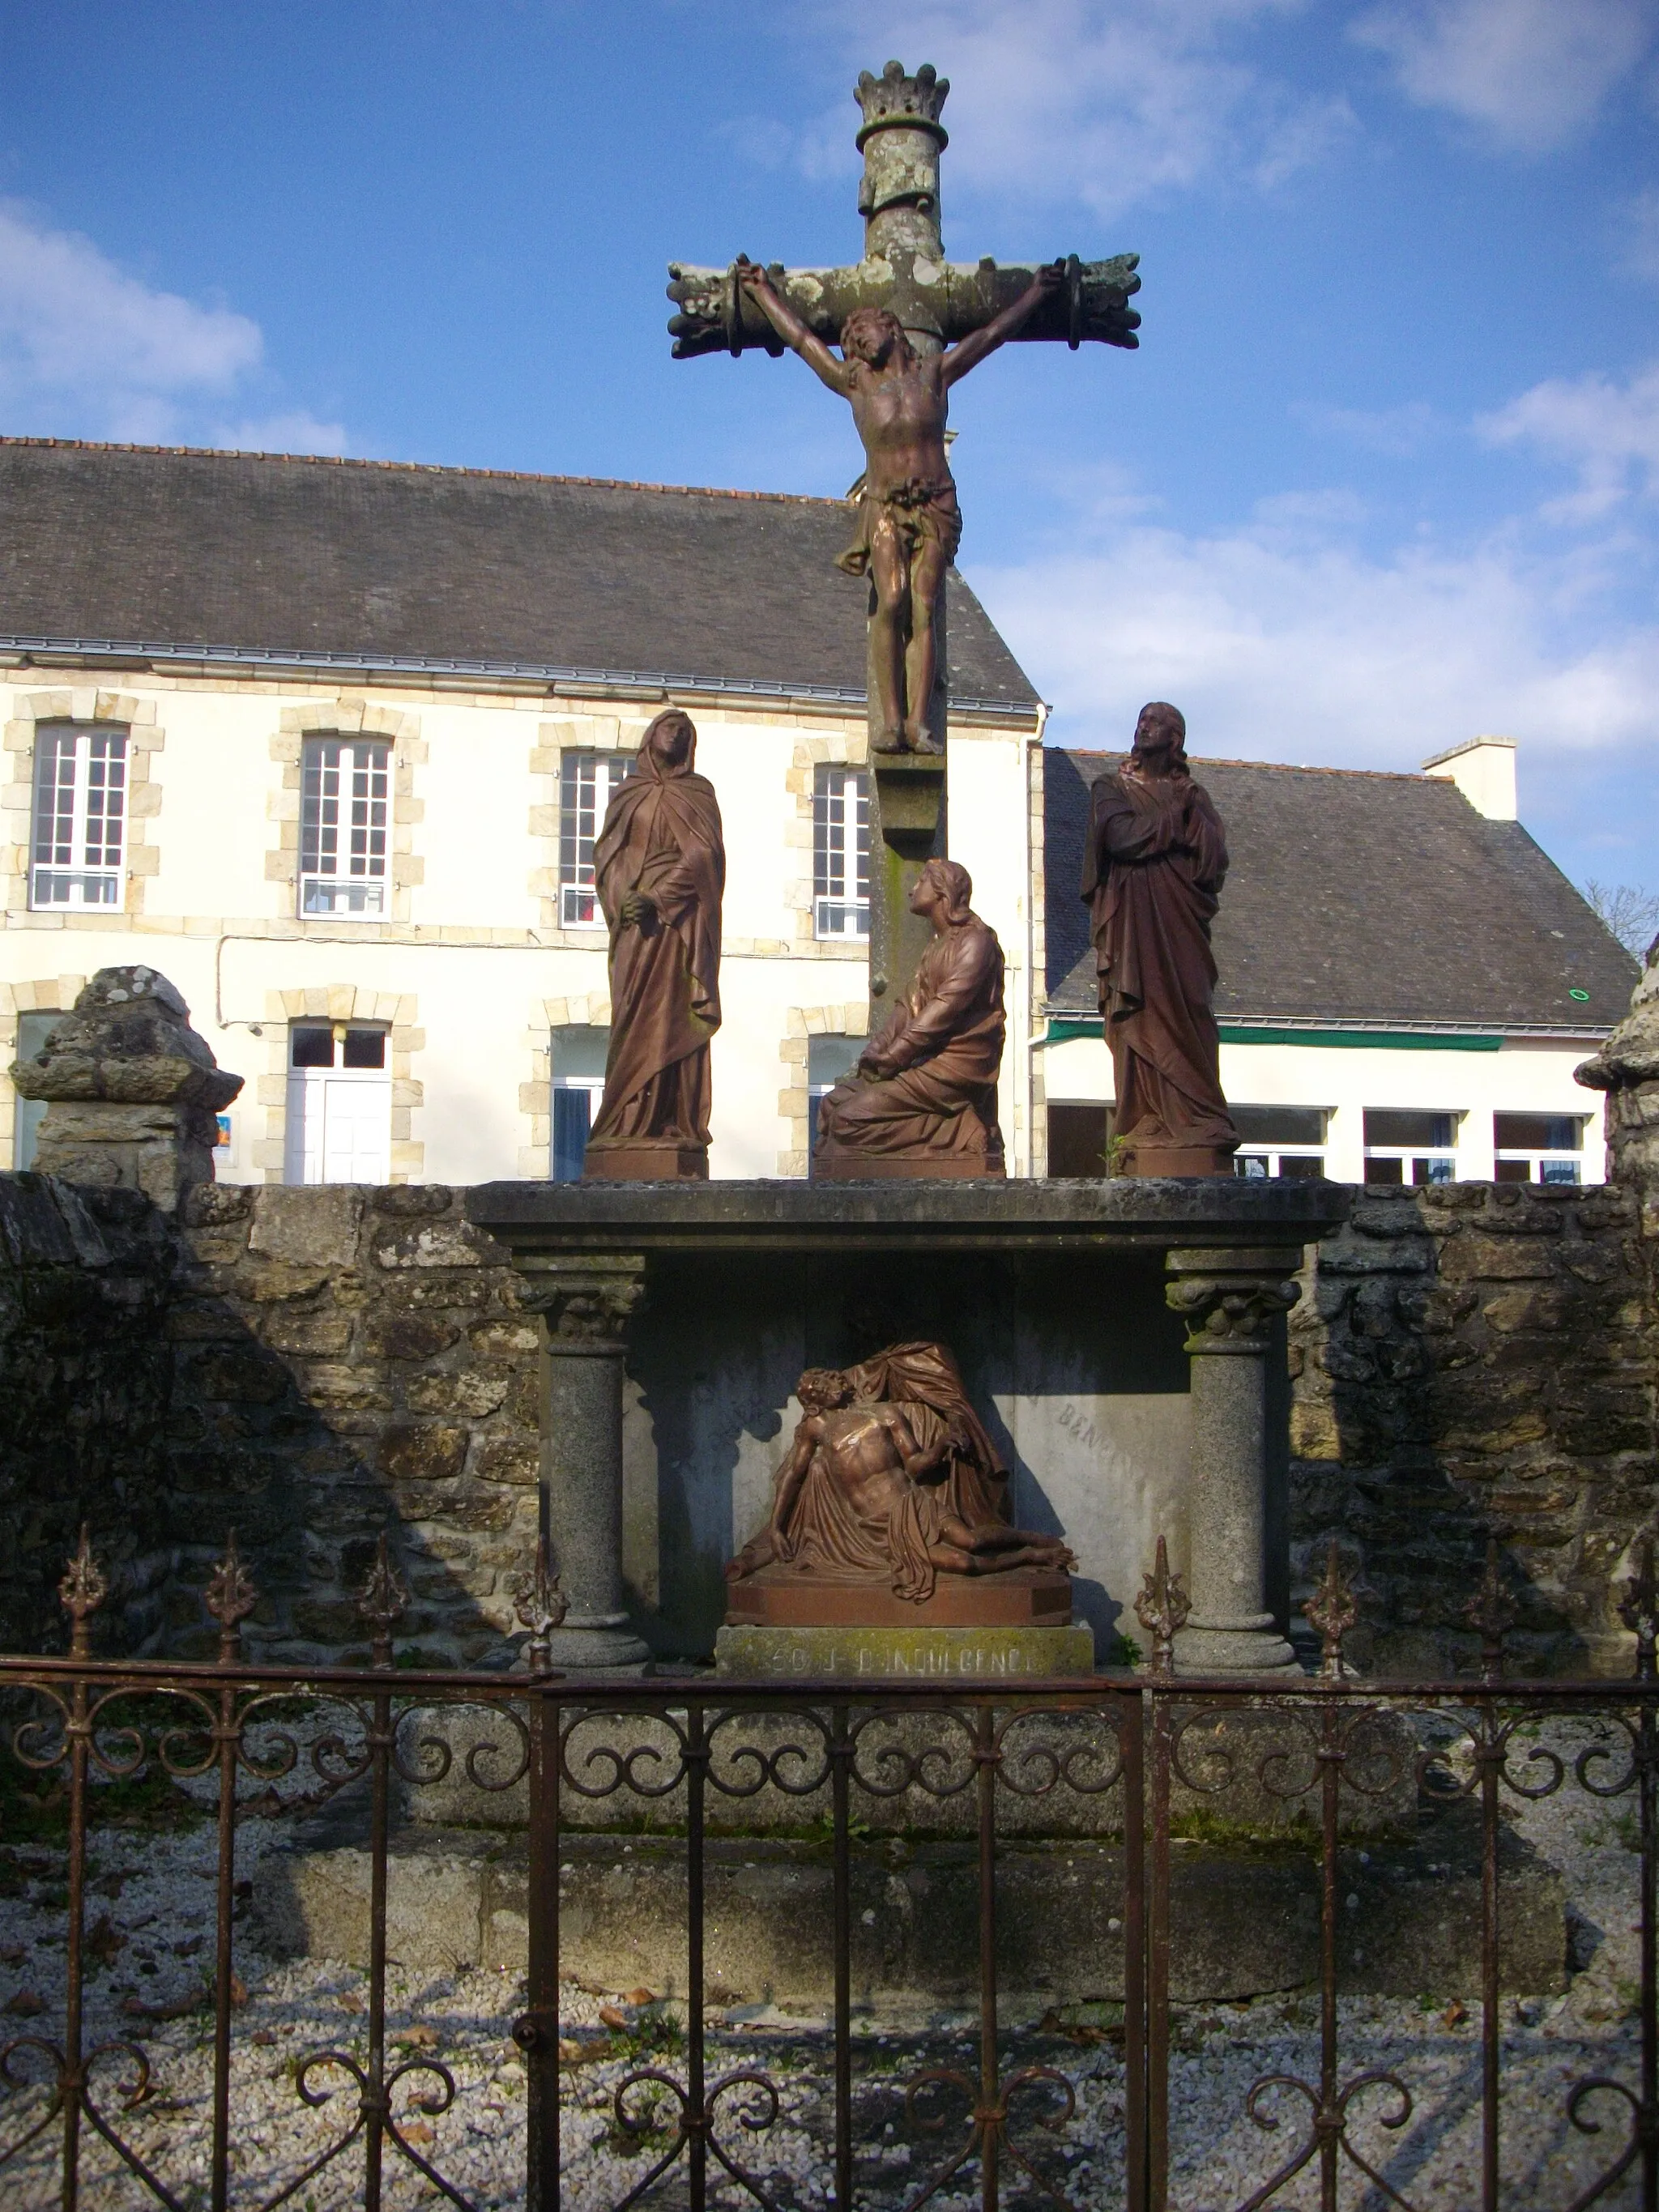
(909, 520)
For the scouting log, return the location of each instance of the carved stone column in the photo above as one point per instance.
(586, 1302)
(1229, 1300)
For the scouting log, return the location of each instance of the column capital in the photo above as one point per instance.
(586, 1299)
(1230, 1296)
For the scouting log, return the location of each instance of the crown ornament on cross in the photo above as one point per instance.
(895, 101)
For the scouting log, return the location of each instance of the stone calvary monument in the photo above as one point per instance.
(909, 324)
(889, 1408)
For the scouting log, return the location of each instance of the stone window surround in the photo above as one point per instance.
(1037, 1123)
(349, 715)
(804, 1023)
(398, 1010)
(846, 749)
(46, 995)
(589, 733)
(141, 859)
(535, 1096)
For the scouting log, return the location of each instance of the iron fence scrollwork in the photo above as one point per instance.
(1129, 1761)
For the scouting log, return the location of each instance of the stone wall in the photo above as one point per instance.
(313, 1365)
(348, 1360)
(1471, 1360)
(86, 1278)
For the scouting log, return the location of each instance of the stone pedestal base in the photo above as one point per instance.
(1251, 1645)
(643, 1161)
(863, 1655)
(1025, 1597)
(832, 1163)
(1174, 1160)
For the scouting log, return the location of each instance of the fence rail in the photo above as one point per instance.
(1137, 1768)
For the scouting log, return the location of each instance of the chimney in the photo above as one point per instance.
(1483, 768)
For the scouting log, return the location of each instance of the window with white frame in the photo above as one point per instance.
(579, 1054)
(1279, 1141)
(33, 1031)
(80, 815)
(1538, 1147)
(585, 783)
(832, 1057)
(841, 853)
(1403, 1146)
(339, 1104)
(345, 838)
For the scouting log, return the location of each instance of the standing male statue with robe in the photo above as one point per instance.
(659, 862)
(1156, 861)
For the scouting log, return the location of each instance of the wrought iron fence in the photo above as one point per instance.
(1101, 2102)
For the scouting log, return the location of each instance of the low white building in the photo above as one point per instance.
(327, 743)
(1406, 980)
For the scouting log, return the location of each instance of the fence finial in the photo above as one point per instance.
(383, 1601)
(1491, 1612)
(80, 1592)
(1639, 1608)
(1162, 1610)
(230, 1596)
(1333, 1612)
(540, 1605)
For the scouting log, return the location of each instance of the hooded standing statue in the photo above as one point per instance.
(660, 866)
(1156, 861)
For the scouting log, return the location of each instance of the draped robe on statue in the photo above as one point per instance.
(945, 1036)
(1156, 860)
(662, 838)
(837, 1536)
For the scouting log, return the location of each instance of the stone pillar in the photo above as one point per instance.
(901, 139)
(1627, 1069)
(586, 1302)
(131, 1091)
(1229, 1300)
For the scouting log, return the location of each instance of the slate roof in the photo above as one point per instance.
(385, 562)
(1359, 898)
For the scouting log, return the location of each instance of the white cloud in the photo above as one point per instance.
(1398, 431)
(1637, 221)
(1608, 432)
(295, 432)
(87, 350)
(1102, 101)
(1279, 645)
(1531, 74)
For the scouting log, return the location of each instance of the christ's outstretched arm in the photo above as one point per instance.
(974, 348)
(791, 329)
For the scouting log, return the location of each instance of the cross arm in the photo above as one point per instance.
(716, 315)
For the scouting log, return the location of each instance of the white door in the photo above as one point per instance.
(339, 1125)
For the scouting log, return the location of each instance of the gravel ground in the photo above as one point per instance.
(150, 1907)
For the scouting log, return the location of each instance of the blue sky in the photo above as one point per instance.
(1384, 474)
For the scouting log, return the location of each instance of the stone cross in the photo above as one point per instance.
(903, 269)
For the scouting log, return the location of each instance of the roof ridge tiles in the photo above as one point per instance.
(1280, 767)
(418, 468)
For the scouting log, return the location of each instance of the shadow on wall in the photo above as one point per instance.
(1473, 1362)
(85, 1281)
(308, 1366)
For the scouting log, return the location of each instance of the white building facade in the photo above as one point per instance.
(378, 906)
(329, 743)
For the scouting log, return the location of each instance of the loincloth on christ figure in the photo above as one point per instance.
(920, 514)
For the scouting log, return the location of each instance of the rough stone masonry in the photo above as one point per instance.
(1468, 1360)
